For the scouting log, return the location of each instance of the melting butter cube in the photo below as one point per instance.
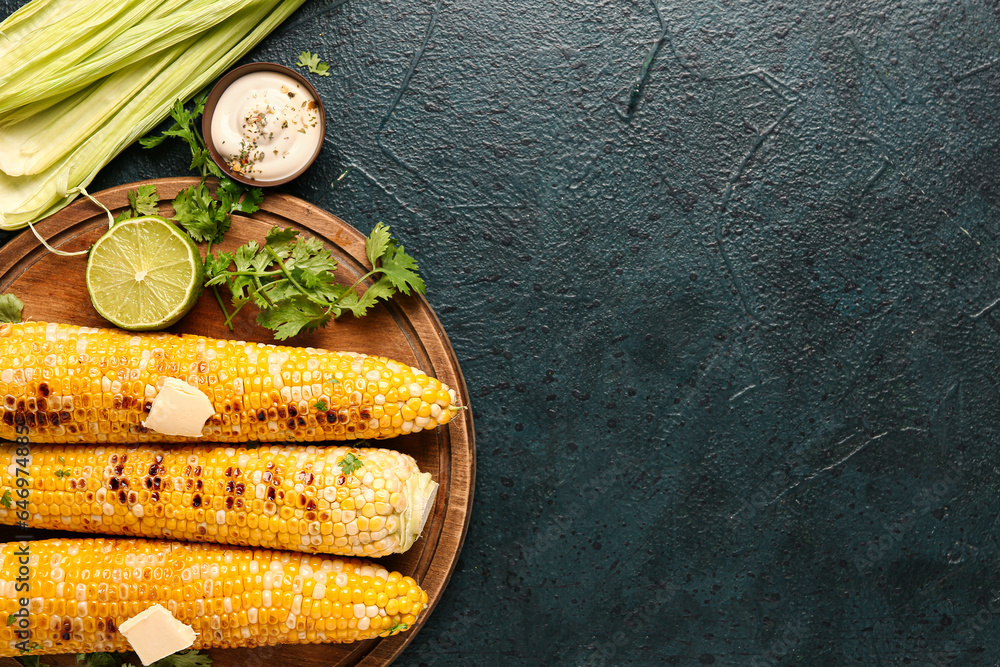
(179, 409)
(155, 633)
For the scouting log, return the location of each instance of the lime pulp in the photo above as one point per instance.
(144, 274)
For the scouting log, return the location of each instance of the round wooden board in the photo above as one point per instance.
(406, 329)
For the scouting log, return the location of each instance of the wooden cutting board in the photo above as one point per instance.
(406, 329)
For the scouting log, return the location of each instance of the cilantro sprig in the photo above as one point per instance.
(313, 63)
(207, 218)
(291, 279)
(185, 128)
(349, 463)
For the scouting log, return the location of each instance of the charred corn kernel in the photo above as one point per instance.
(80, 621)
(274, 497)
(103, 387)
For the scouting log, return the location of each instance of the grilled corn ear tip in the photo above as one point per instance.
(421, 491)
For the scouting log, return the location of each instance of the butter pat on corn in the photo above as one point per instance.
(179, 409)
(155, 633)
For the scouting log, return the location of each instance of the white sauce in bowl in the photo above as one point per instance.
(266, 126)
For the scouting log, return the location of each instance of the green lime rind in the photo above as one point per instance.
(144, 274)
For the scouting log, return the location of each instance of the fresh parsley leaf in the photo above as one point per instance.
(321, 406)
(199, 104)
(237, 199)
(292, 316)
(7, 501)
(216, 265)
(398, 273)
(11, 620)
(292, 279)
(358, 306)
(10, 309)
(398, 626)
(377, 242)
(281, 240)
(401, 270)
(349, 463)
(206, 218)
(144, 200)
(186, 129)
(312, 61)
(152, 142)
(197, 211)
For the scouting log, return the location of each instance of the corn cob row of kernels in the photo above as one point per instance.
(61, 383)
(80, 591)
(335, 500)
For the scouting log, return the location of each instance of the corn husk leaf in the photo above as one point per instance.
(110, 126)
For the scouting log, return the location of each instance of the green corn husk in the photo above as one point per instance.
(36, 15)
(38, 137)
(53, 147)
(71, 70)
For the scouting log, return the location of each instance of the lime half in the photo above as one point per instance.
(144, 274)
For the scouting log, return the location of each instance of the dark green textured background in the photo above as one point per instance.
(727, 333)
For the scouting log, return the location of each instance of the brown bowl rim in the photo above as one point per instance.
(213, 101)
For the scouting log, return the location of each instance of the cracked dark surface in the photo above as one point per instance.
(728, 339)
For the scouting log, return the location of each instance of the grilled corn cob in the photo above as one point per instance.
(63, 383)
(80, 591)
(336, 500)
